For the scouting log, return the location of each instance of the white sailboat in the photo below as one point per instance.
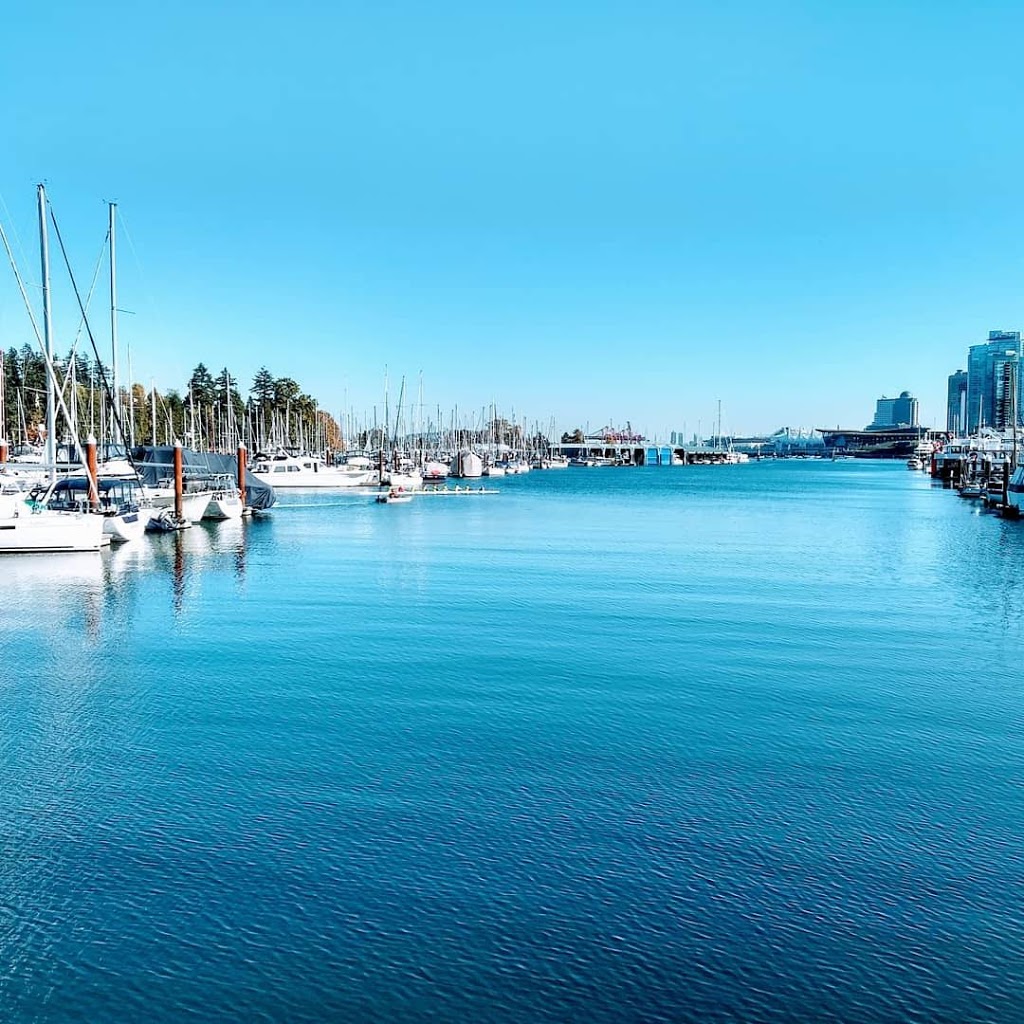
(27, 526)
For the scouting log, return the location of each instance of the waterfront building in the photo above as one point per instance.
(894, 433)
(894, 412)
(956, 403)
(993, 375)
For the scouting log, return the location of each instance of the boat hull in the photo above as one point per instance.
(51, 531)
(224, 506)
(127, 526)
(326, 479)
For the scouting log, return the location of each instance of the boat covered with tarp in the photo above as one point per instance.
(155, 466)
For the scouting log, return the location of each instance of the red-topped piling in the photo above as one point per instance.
(179, 480)
(91, 470)
(241, 472)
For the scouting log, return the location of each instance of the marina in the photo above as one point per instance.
(511, 514)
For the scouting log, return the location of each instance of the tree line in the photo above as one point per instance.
(208, 413)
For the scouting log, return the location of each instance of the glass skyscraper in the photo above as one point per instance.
(956, 403)
(995, 385)
(895, 412)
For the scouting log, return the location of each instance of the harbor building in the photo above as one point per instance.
(956, 403)
(995, 385)
(894, 432)
(894, 412)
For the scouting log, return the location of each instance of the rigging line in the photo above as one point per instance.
(88, 303)
(103, 374)
(46, 356)
(138, 263)
(17, 238)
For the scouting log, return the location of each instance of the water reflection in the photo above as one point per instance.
(53, 588)
(57, 589)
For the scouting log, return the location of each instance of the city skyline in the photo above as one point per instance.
(621, 215)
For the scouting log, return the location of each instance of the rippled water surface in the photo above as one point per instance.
(703, 744)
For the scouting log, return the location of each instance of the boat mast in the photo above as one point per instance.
(50, 455)
(116, 435)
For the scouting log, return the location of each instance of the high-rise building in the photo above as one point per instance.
(995, 384)
(895, 412)
(956, 403)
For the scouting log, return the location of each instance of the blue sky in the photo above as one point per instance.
(588, 212)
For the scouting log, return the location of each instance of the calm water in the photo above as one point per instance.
(705, 744)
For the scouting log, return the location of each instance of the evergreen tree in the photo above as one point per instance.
(262, 389)
(202, 386)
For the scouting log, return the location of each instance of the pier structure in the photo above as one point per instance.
(604, 452)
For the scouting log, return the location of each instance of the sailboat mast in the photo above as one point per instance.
(51, 412)
(116, 418)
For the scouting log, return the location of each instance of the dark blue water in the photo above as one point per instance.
(704, 744)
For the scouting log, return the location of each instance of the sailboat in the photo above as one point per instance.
(26, 524)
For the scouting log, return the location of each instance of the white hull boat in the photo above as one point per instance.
(435, 473)
(408, 481)
(306, 473)
(27, 529)
(224, 505)
(193, 506)
(126, 526)
(468, 466)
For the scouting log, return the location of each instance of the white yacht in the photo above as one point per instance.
(282, 470)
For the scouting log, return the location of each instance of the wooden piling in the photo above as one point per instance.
(242, 454)
(179, 480)
(91, 470)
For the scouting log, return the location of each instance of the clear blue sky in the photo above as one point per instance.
(585, 211)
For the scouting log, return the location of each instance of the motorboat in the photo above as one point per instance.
(282, 470)
(914, 463)
(434, 472)
(396, 496)
(404, 479)
(225, 503)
